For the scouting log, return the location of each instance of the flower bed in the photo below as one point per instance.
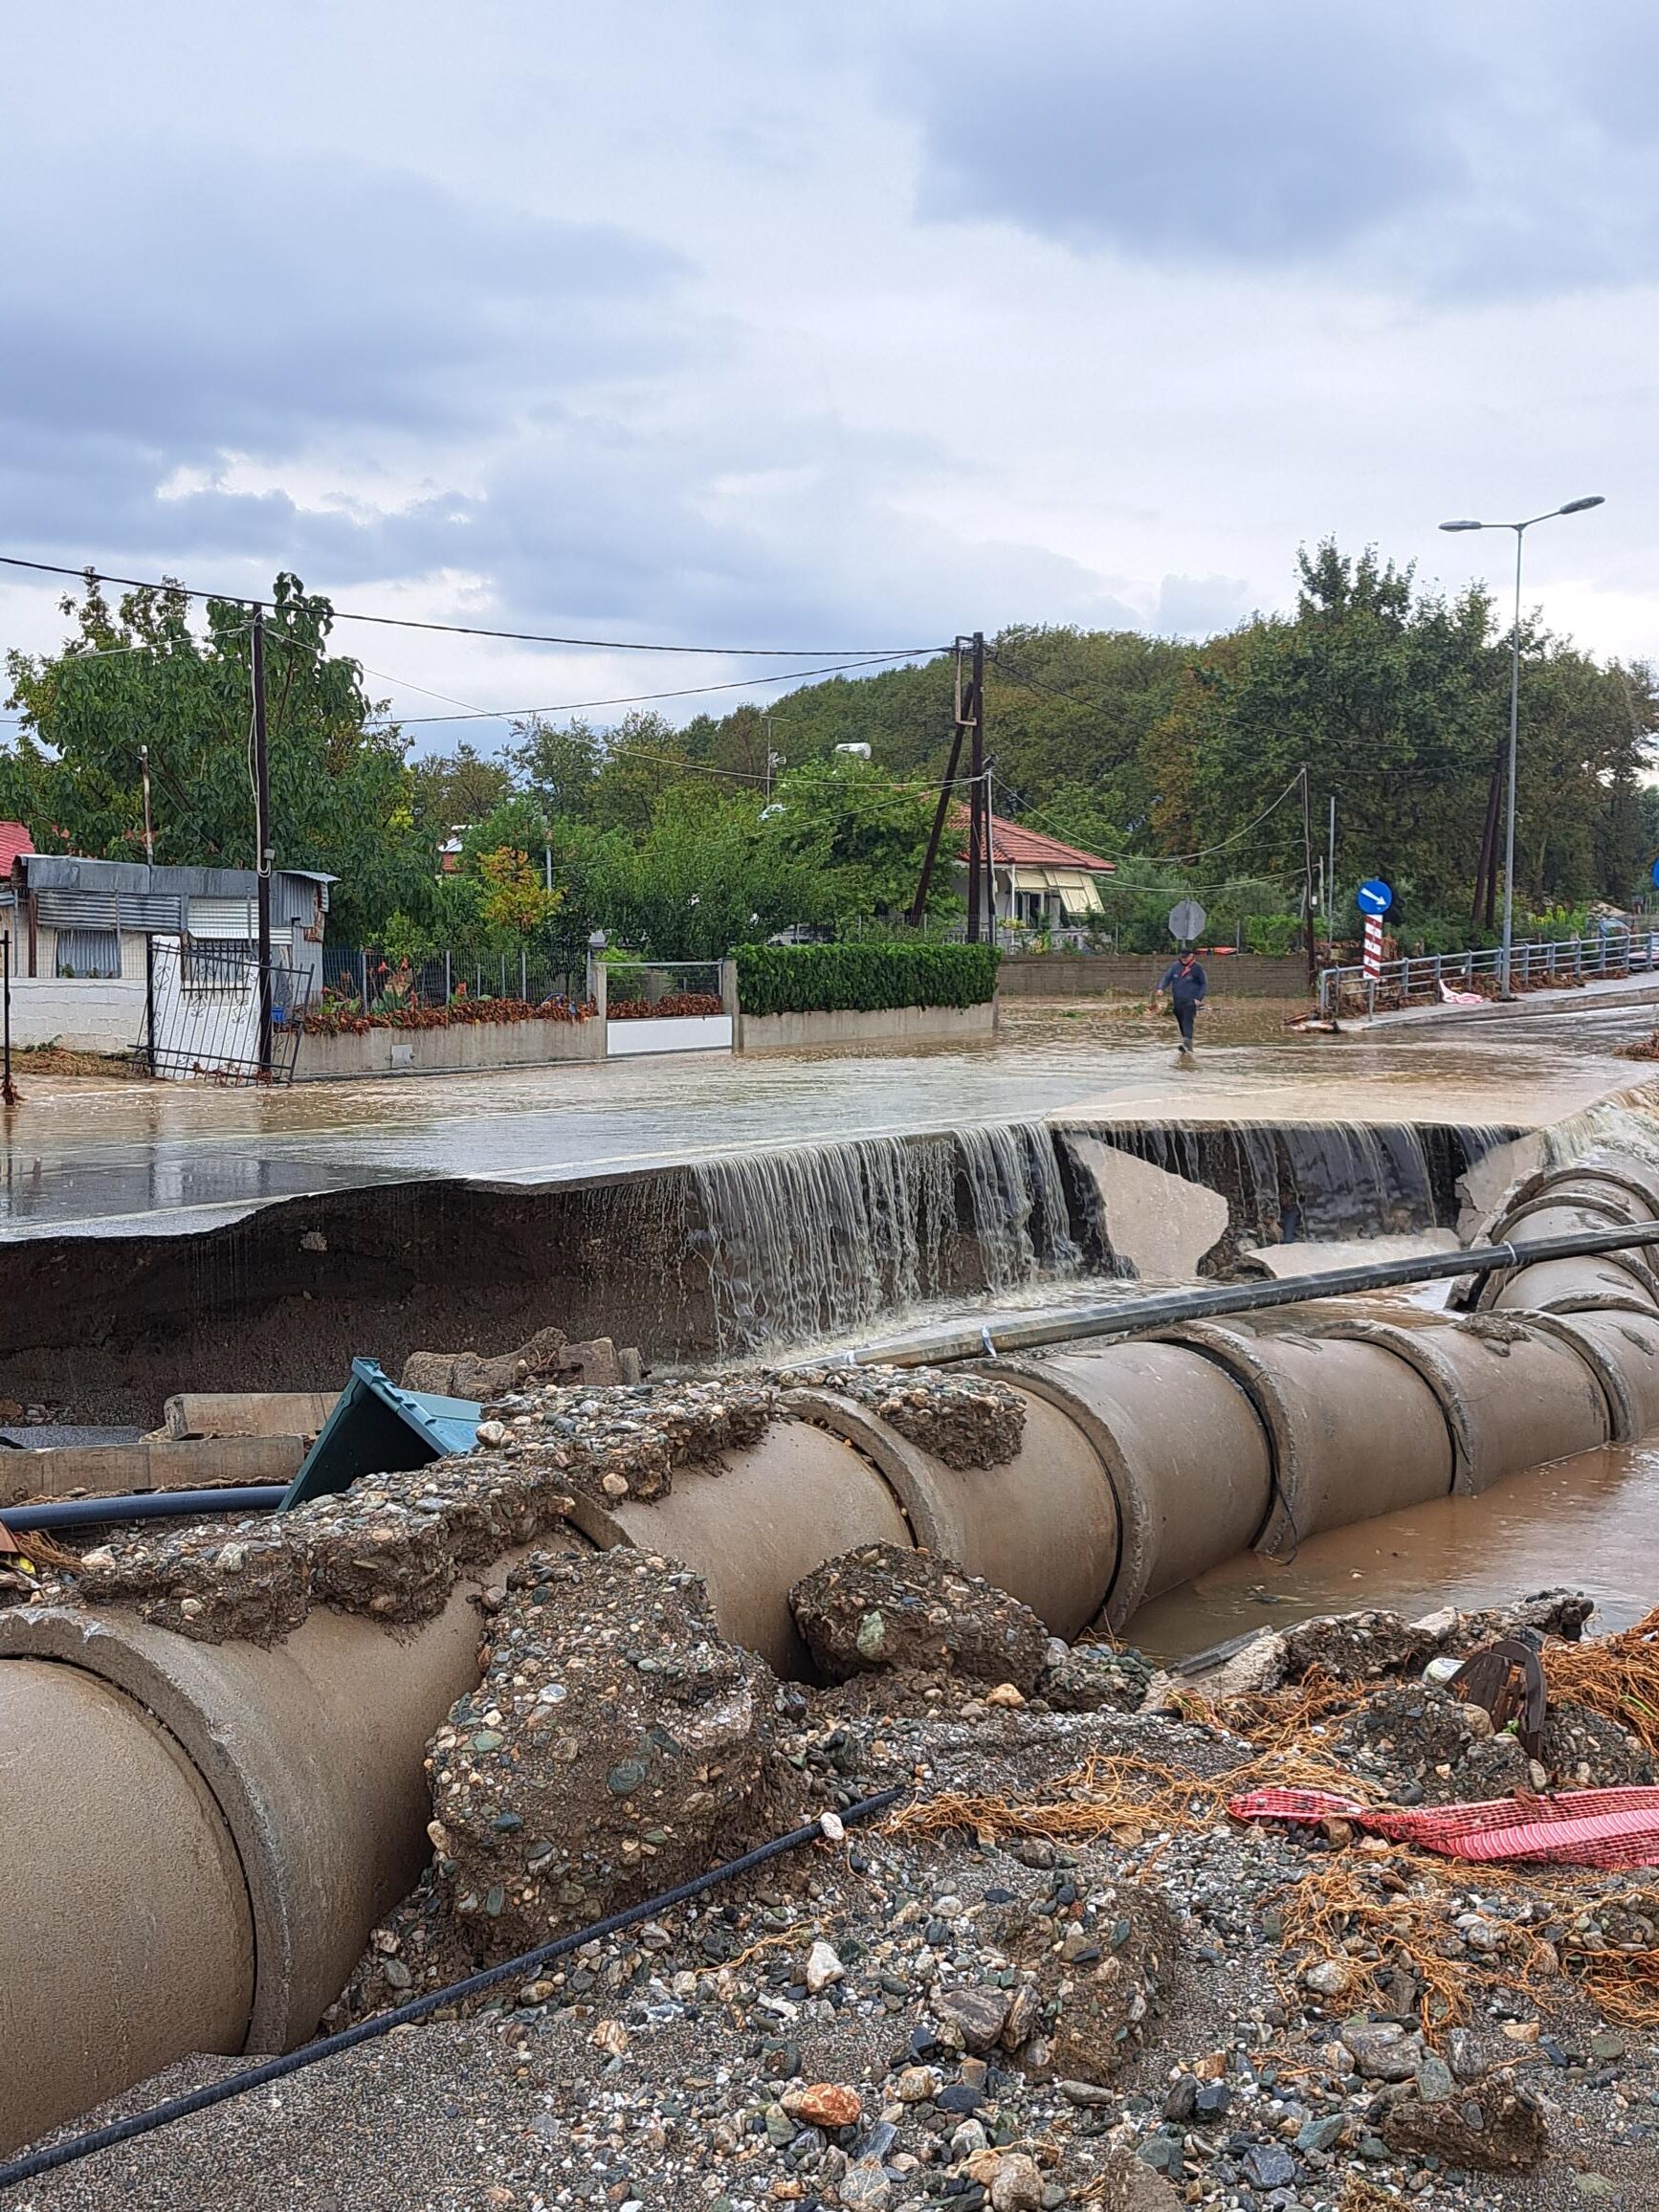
(346, 1017)
(665, 1009)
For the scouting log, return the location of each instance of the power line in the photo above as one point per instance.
(1172, 859)
(628, 699)
(847, 653)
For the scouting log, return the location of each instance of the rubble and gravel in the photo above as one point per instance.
(885, 1606)
(965, 1420)
(851, 2026)
(614, 1746)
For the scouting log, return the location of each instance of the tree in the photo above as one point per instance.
(142, 675)
(555, 768)
(515, 904)
(701, 882)
(859, 835)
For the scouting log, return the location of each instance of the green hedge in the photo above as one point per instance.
(820, 979)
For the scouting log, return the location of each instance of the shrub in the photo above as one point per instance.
(816, 979)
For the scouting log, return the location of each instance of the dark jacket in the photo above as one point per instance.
(1186, 986)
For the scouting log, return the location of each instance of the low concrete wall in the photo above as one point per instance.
(891, 1026)
(465, 1047)
(83, 1016)
(1061, 975)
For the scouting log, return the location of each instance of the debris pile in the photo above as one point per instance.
(964, 1420)
(614, 1741)
(884, 1606)
(549, 1357)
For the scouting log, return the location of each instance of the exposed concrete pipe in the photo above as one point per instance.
(235, 1819)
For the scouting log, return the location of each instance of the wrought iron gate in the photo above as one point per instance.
(205, 1012)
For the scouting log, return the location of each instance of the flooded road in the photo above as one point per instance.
(111, 1156)
(1586, 1524)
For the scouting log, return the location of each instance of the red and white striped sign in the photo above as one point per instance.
(1373, 944)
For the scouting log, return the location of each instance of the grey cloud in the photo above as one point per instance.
(1401, 148)
(241, 304)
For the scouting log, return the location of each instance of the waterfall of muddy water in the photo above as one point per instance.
(1585, 1523)
(1293, 1180)
(818, 1241)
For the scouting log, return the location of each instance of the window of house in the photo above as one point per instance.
(89, 952)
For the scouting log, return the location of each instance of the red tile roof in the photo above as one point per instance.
(13, 840)
(1013, 844)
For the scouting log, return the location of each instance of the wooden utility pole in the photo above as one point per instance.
(960, 722)
(262, 838)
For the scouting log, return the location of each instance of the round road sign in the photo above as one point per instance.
(1186, 921)
(1374, 897)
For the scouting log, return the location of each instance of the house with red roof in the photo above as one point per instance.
(1040, 883)
(14, 839)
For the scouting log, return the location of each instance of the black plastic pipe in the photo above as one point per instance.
(79, 1513)
(1027, 1331)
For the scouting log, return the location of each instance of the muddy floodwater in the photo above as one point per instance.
(112, 1156)
(1589, 1523)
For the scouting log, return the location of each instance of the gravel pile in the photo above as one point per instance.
(1418, 1743)
(615, 1740)
(964, 1420)
(884, 1605)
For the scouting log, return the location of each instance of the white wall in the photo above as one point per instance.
(84, 1016)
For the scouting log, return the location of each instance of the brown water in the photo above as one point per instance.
(1589, 1523)
(120, 1156)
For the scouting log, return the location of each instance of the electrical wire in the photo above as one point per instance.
(67, 2154)
(1171, 860)
(635, 698)
(510, 636)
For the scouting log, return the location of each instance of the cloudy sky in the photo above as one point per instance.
(832, 327)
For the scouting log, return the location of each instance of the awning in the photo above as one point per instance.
(1074, 887)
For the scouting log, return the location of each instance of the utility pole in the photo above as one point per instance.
(1308, 885)
(1331, 887)
(979, 826)
(149, 830)
(262, 838)
(8, 1095)
(946, 792)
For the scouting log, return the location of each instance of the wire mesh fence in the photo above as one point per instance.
(658, 989)
(379, 983)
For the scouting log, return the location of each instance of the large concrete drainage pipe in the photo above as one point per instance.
(126, 1936)
(1188, 1455)
(1514, 1396)
(1355, 1430)
(1558, 1286)
(1043, 1526)
(752, 1530)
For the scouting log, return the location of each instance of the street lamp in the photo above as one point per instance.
(1572, 507)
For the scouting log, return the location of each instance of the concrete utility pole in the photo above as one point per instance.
(1520, 529)
(979, 813)
(1308, 884)
(263, 837)
(150, 829)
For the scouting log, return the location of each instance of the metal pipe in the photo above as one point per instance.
(79, 1513)
(1123, 1316)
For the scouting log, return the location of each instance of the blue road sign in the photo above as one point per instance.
(1374, 895)
(1656, 871)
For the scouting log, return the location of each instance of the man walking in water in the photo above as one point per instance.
(1187, 983)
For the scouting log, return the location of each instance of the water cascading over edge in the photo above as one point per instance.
(819, 1240)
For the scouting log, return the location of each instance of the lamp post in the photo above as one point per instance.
(1572, 507)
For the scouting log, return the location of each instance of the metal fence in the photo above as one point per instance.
(376, 981)
(644, 984)
(205, 1014)
(1563, 961)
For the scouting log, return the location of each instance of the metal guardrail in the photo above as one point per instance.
(1397, 983)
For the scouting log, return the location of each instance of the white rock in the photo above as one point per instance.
(823, 1967)
(833, 1827)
